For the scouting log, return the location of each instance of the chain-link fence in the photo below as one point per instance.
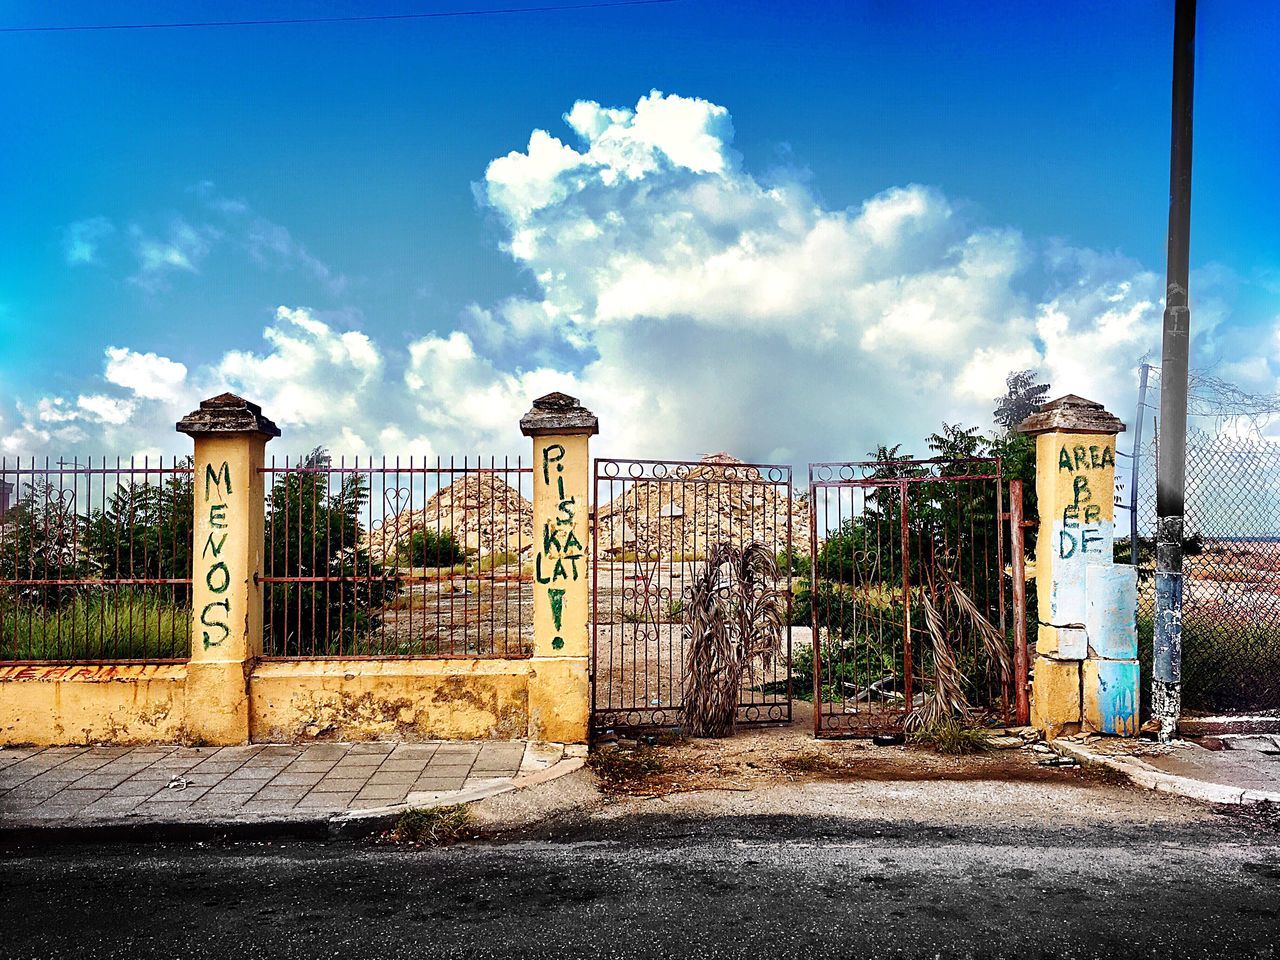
(1231, 587)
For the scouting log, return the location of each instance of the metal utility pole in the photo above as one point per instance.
(1166, 686)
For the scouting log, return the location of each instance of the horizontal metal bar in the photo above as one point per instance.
(701, 463)
(904, 463)
(159, 661)
(397, 656)
(133, 582)
(402, 469)
(889, 482)
(119, 471)
(389, 578)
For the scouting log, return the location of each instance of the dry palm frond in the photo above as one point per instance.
(759, 608)
(710, 690)
(993, 642)
(946, 701)
(734, 615)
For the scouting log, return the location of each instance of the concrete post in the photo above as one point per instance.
(559, 688)
(230, 435)
(1086, 669)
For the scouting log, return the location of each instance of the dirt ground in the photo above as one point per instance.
(761, 756)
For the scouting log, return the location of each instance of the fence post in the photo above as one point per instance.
(230, 435)
(1021, 664)
(1086, 670)
(559, 689)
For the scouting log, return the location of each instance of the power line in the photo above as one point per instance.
(439, 15)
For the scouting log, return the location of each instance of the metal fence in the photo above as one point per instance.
(95, 560)
(378, 558)
(1231, 587)
(908, 599)
(658, 526)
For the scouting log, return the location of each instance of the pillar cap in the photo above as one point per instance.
(227, 413)
(558, 413)
(1071, 414)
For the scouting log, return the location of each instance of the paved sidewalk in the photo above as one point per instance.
(166, 784)
(1244, 769)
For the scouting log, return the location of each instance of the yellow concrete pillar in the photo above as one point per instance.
(1075, 487)
(230, 436)
(559, 685)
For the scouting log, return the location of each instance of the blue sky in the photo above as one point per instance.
(168, 192)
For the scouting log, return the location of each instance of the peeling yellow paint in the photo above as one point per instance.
(389, 700)
(112, 703)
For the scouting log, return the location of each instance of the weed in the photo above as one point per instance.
(431, 826)
(675, 611)
(621, 770)
(493, 561)
(950, 737)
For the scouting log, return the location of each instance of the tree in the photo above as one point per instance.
(312, 533)
(1022, 395)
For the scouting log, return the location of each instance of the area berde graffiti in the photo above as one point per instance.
(1081, 517)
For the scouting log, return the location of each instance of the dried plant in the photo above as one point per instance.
(946, 700)
(735, 618)
(993, 643)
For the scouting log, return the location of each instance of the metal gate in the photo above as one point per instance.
(658, 527)
(907, 599)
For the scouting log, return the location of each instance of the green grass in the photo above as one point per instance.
(95, 625)
(494, 560)
(431, 826)
(1225, 665)
(951, 738)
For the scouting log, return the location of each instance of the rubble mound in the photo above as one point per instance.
(719, 500)
(484, 513)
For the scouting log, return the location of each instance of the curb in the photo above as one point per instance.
(1142, 774)
(349, 825)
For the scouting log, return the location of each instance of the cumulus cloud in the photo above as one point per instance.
(146, 375)
(694, 304)
(747, 314)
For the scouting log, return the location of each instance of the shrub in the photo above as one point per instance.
(798, 564)
(951, 737)
(429, 548)
(501, 558)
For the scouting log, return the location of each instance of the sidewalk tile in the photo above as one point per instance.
(393, 765)
(340, 785)
(188, 795)
(273, 792)
(386, 792)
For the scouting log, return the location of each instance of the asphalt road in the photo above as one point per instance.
(665, 887)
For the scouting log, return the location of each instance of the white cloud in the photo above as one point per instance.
(694, 306)
(105, 409)
(81, 240)
(146, 375)
(183, 249)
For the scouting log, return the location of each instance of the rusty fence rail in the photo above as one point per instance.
(908, 566)
(95, 560)
(391, 558)
(657, 526)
